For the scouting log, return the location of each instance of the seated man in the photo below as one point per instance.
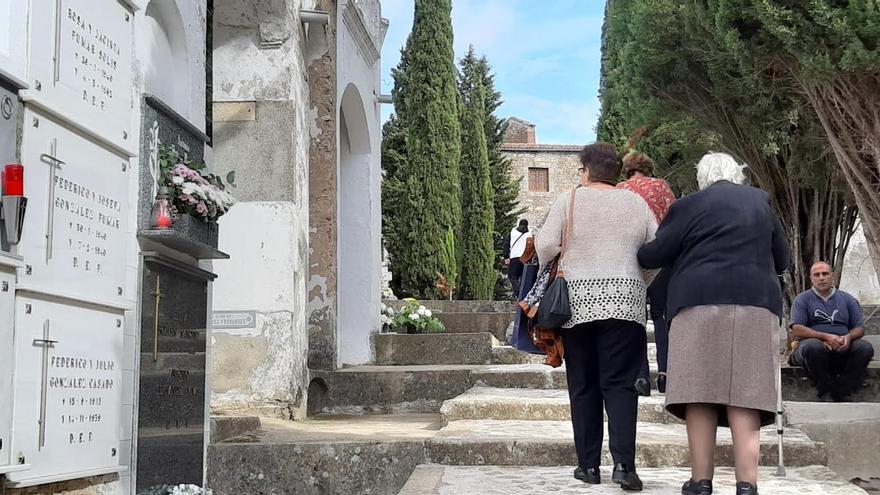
(829, 324)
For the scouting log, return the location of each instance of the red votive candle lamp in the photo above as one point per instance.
(160, 217)
(13, 181)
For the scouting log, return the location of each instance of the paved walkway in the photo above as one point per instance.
(494, 480)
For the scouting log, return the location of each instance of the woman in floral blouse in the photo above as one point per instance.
(638, 168)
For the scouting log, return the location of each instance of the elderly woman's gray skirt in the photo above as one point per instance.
(723, 355)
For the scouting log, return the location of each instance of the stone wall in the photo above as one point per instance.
(261, 129)
(562, 164)
(858, 277)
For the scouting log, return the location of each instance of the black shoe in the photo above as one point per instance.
(746, 488)
(661, 383)
(643, 387)
(626, 477)
(702, 487)
(589, 476)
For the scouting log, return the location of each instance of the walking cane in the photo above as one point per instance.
(780, 412)
(780, 425)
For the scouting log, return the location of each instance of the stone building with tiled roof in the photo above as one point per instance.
(543, 170)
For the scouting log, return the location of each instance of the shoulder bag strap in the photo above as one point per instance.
(567, 230)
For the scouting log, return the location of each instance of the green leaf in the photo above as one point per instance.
(230, 178)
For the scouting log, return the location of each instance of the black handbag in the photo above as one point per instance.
(554, 310)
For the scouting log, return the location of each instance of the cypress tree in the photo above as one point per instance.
(393, 158)
(477, 275)
(505, 187)
(428, 207)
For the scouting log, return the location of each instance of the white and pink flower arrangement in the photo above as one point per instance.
(194, 191)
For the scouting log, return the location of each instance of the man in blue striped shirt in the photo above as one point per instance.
(829, 325)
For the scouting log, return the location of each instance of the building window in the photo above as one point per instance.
(539, 180)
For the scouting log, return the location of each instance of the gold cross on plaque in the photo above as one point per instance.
(158, 295)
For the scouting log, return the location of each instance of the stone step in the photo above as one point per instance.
(385, 389)
(505, 354)
(433, 479)
(533, 404)
(549, 443)
(433, 348)
(495, 323)
(797, 386)
(459, 306)
(227, 427)
(388, 389)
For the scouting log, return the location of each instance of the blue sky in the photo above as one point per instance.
(545, 55)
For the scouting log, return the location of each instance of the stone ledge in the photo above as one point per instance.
(549, 443)
(433, 348)
(481, 403)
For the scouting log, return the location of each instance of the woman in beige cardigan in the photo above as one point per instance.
(605, 337)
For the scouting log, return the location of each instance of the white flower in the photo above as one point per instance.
(414, 316)
(177, 180)
(384, 307)
(428, 313)
(390, 311)
(421, 310)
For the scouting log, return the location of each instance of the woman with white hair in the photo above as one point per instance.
(726, 247)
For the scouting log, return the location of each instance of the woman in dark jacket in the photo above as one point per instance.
(726, 247)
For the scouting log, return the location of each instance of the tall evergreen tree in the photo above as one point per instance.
(477, 275)
(393, 158)
(428, 207)
(683, 71)
(504, 185)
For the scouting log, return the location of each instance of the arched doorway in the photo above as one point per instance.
(357, 284)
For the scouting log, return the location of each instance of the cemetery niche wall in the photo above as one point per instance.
(74, 283)
(174, 307)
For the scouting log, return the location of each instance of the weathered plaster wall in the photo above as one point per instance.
(322, 282)
(359, 206)
(563, 174)
(261, 370)
(261, 129)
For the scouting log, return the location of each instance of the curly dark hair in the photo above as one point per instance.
(602, 160)
(636, 161)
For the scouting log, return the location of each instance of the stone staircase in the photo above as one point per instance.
(465, 414)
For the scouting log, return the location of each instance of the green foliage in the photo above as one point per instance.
(412, 318)
(505, 187)
(423, 174)
(477, 276)
(693, 73)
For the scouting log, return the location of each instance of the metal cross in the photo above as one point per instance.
(54, 164)
(46, 344)
(158, 295)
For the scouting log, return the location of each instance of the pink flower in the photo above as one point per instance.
(202, 209)
(188, 199)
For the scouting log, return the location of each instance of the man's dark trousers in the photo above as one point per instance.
(835, 372)
(602, 360)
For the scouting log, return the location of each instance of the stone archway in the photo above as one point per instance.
(165, 55)
(355, 232)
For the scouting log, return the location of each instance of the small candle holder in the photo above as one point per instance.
(160, 216)
(13, 204)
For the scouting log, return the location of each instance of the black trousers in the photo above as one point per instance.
(834, 372)
(602, 360)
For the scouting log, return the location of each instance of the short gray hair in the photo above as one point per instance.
(714, 167)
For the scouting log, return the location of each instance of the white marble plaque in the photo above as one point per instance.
(13, 38)
(85, 68)
(68, 384)
(7, 359)
(76, 231)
